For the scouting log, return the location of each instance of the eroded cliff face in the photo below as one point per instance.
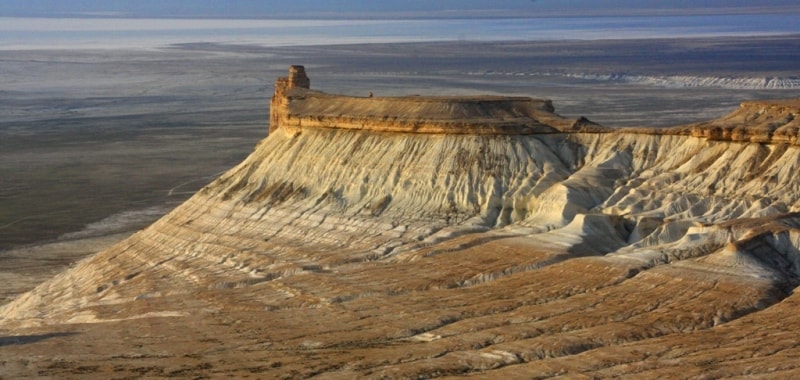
(773, 122)
(295, 106)
(525, 244)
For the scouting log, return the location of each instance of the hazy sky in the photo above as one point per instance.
(265, 8)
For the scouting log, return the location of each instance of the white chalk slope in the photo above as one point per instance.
(313, 200)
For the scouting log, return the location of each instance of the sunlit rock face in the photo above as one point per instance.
(424, 237)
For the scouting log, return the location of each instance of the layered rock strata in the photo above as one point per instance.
(432, 237)
(296, 106)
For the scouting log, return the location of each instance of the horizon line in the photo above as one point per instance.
(443, 14)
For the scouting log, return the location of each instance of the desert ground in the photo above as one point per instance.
(98, 144)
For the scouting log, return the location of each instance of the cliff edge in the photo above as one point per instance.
(774, 121)
(295, 106)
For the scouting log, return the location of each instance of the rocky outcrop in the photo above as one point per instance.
(773, 122)
(295, 106)
(764, 122)
(395, 252)
(285, 88)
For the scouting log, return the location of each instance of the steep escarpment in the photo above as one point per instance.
(295, 105)
(466, 236)
(772, 122)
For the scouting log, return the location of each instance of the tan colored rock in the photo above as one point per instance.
(773, 122)
(443, 244)
(295, 106)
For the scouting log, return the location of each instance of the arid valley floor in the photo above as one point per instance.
(339, 247)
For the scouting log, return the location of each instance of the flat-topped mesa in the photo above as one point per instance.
(758, 121)
(296, 106)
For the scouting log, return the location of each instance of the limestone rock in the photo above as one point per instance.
(424, 237)
(295, 106)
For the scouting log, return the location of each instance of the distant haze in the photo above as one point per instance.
(299, 8)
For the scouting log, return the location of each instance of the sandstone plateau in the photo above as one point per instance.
(428, 237)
